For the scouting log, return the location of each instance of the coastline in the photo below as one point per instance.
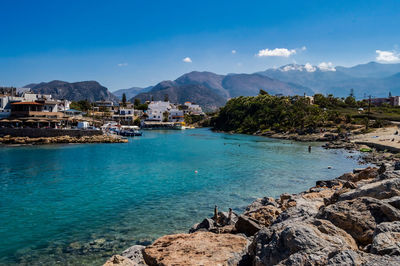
(9, 140)
(294, 228)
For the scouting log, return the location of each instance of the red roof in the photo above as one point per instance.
(26, 103)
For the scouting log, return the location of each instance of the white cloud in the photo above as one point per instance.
(303, 48)
(233, 51)
(387, 56)
(187, 60)
(326, 66)
(239, 64)
(309, 68)
(122, 64)
(276, 52)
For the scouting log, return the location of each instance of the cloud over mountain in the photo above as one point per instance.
(387, 56)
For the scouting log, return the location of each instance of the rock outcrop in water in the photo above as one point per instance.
(351, 220)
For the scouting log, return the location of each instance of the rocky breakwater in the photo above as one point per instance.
(8, 140)
(351, 220)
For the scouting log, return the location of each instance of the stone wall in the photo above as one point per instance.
(47, 132)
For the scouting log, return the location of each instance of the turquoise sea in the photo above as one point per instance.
(79, 204)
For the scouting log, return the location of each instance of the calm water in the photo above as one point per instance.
(78, 204)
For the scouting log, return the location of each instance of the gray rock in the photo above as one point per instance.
(224, 218)
(394, 201)
(206, 225)
(360, 216)
(379, 190)
(345, 257)
(304, 209)
(328, 183)
(261, 202)
(300, 243)
(247, 226)
(135, 254)
(351, 257)
(386, 239)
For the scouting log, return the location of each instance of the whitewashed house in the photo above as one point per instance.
(193, 109)
(157, 109)
(176, 115)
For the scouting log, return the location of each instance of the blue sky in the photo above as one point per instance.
(139, 43)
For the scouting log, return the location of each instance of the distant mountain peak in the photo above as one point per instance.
(324, 67)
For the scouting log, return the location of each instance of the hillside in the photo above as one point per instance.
(84, 90)
(250, 85)
(200, 94)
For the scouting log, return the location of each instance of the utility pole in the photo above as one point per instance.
(369, 112)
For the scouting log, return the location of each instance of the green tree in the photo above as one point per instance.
(166, 98)
(165, 116)
(136, 122)
(142, 107)
(263, 92)
(136, 102)
(124, 100)
(82, 105)
(350, 101)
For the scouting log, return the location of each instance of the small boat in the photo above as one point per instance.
(130, 133)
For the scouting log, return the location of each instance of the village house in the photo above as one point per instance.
(193, 109)
(161, 111)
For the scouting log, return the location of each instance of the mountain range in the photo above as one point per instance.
(84, 90)
(131, 92)
(366, 79)
(211, 90)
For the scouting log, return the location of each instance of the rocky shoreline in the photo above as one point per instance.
(351, 220)
(9, 140)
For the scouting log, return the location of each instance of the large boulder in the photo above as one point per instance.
(386, 239)
(200, 248)
(206, 225)
(367, 173)
(247, 225)
(394, 201)
(300, 243)
(379, 190)
(135, 253)
(360, 216)
(351, 257)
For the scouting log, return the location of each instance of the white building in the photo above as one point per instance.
(176, 115)
(158, 111)
(124, 114)
(193, 109)
(5, 104)
(26, 95)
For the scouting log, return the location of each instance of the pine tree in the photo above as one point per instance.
(123, 99)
